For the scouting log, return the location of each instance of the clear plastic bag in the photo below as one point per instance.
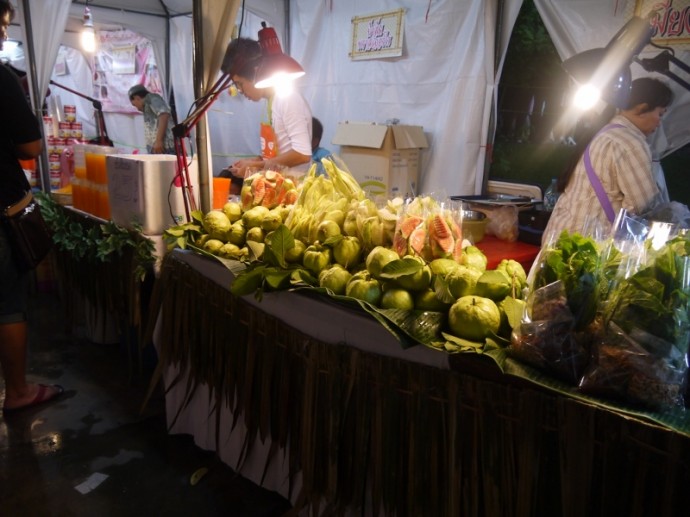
(547, 337)
(429, 229)
(503, 223)
(623, 369)
(562, 296)
(640, 350)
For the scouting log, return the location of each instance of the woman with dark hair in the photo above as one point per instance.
(615, 169)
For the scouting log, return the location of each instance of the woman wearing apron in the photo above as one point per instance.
(286, 130)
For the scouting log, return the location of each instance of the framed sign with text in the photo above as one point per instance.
(670, 19)
(377, 35)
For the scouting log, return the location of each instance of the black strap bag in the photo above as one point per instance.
(27, 231)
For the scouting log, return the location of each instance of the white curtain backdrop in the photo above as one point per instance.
(48, 20)
(444, 81)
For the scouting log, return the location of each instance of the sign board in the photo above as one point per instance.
(670, 19)
(377, 35)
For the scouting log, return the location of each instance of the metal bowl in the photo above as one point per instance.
(474, 225)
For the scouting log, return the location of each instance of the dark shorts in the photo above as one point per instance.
(14, 286)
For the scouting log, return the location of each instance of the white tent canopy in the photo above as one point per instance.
(446, 80)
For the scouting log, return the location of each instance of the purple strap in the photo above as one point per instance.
(594, 179)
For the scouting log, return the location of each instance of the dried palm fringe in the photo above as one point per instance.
(111, 287)
(404, 438)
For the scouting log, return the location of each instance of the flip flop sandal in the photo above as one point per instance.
(43, 395)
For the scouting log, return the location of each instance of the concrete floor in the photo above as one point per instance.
(96, 431)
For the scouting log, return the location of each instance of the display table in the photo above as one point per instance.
(321, 404)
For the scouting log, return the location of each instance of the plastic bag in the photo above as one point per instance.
(643, 322)
(623, 369)
(430, 229)
(547, 337)
(503, 223)
(562, 295)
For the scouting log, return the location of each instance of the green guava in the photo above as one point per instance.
(474, 257)
(327, 229)
(428, 301)
(493, 284)
(348, 251)
(418, 281)
(216, 224)
(255, 234)
(397, 298)
(335, 278)
(462, 281)
(442, 266)
(253, 217)
(237, 233)
(474, 318)
(232, 210)
(213, 245)
(364, 287)
(378, 258)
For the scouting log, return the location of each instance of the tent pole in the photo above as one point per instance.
(491, 136)
(202, 144)
(35, 93)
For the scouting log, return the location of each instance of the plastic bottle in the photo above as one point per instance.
(551, 195)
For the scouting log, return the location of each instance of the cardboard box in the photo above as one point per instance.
(384, 159)
(142, 189)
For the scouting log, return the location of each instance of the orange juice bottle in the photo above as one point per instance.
(103, 202)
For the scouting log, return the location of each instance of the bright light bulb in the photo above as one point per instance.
(586, 97)
(88, 34)
(88, 39)
(283, 84)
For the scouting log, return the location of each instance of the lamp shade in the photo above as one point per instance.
(592, 67)
(608, 69)
(275, 66)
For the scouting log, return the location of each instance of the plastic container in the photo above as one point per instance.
(97, 201)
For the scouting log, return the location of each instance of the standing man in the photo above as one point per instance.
(157, 119)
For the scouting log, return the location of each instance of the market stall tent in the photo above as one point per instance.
(445, 81)
(456, 83)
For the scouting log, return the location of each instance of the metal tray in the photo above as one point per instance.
(497, 200)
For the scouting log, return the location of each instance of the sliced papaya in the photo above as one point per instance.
(417, 240)
(408, 225)
(258, 190)
(400, 244)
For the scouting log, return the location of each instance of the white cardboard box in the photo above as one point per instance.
(142, 189)
(384, 159)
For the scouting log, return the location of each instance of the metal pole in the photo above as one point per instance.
(35, 93)
(491, 130)
(201, 128)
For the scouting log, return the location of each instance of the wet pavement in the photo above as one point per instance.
(94, 452)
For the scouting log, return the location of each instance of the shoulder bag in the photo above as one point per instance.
(27, 231)
(594, 179)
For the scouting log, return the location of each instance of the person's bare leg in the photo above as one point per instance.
(13, 344)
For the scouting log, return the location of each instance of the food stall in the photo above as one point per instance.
(341, 411)
(334, 408)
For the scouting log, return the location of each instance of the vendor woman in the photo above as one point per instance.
(620, 171)
(286, 130)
